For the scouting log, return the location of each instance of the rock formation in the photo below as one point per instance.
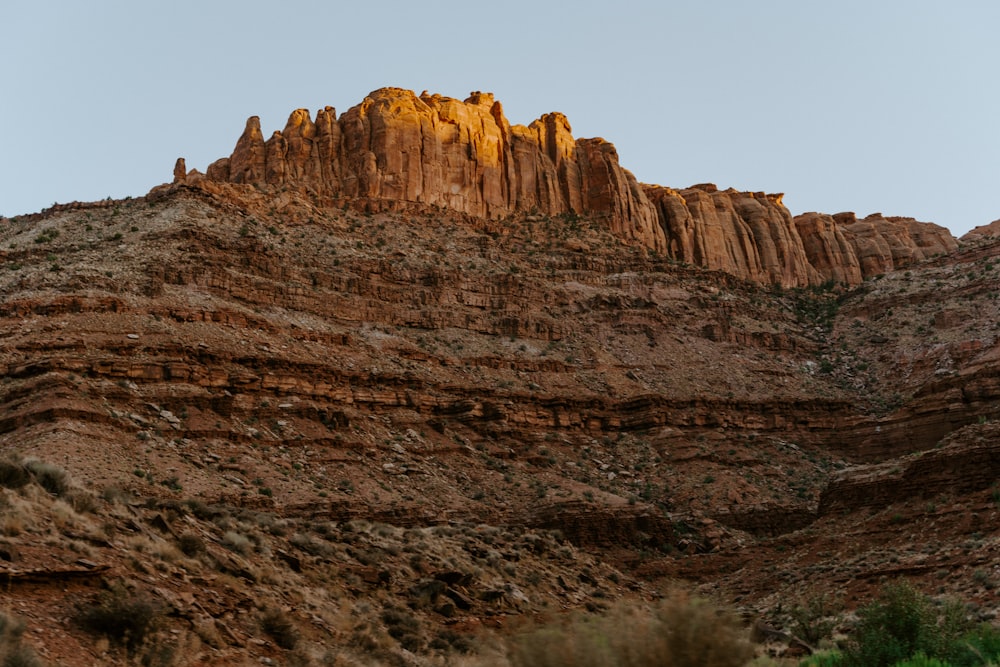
(968, 465)
(465, 156)
(845, 249)
(990, 230)
(744, 233)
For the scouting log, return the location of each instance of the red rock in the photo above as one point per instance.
(828, 249)
(747, 234)
(465, 156)
(247, 163)
(884, 244)
(992, 229)
(180, 170)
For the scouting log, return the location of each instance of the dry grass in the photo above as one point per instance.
(11, 526)
(15, 514)
(682, 631)
(16, 473)
(12, 652)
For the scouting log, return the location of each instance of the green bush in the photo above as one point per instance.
(824, 659)
(921, 660)
(904, 627)
(892, 628)
(980, 645)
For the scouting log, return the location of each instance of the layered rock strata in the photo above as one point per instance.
(969, 462)
(465, 156)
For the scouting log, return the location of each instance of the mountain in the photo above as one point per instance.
(387, 383)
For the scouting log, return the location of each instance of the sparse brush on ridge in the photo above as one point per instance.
(16, 474)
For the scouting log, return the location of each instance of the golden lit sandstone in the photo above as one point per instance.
(465, 156)
(437, 150)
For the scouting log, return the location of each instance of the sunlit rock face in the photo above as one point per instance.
(465, 156)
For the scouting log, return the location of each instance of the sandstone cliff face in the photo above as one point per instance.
(439, 151)
(990, 230)
(465, 156)
(744, 233)
(845, 249)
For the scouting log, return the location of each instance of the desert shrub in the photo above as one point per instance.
(403, 627)
(82, 501)
(116, 495)
(13, 474)
(124, 617)
(682, 631)
(701, 634)
(190, 544)
(12, 652)
(236, 542)
(310, 545)
(50, 477)
(815, 618)
(448, 640)
(280, 627)
(215, 513)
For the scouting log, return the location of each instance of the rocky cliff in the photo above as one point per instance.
(465, 156)
(439, 151)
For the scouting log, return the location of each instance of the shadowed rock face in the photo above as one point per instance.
(465, 156)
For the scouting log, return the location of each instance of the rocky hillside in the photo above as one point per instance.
(389, 383)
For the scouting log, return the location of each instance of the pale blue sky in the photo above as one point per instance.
(864, 106)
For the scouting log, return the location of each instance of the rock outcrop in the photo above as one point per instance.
(439, 151)
(967, 461)
(847, 250)
(749, 234)
(990, 230)
(465, 156)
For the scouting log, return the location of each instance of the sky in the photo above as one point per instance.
(869, 106)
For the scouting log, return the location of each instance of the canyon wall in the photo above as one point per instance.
(466, 157)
